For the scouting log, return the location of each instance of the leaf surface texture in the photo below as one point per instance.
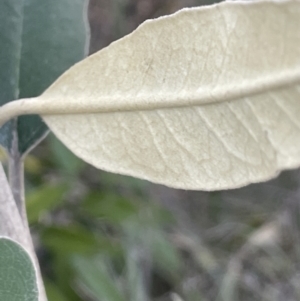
(17, 273)
(207, 98)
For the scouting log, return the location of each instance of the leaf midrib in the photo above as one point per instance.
(54, 105)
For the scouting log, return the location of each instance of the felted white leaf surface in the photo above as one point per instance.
(207, 98)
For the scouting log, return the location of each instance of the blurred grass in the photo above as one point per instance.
(107, 237)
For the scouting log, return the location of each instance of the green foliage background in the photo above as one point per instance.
(105, 237)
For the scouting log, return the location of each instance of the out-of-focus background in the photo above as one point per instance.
(106, 237)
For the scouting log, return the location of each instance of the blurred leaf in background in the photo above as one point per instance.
(40, 41)
(53, 292)
(95, 280)
(66, 161)
(44, 199)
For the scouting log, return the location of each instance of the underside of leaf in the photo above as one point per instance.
(207, 98)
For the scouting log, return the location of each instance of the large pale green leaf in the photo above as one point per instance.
(39, 40)
(207, 98)
(17, 273)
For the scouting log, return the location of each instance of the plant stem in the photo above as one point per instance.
(16, 181)
(16, 176)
